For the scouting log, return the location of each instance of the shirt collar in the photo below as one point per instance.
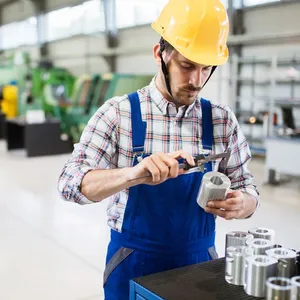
(166, 107)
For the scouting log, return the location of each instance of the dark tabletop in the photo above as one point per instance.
(205, 281)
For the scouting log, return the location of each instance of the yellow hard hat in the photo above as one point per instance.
(197, 29)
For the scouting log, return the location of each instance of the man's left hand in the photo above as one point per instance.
(233, 207)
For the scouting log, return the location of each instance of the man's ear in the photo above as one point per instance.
(156, 54)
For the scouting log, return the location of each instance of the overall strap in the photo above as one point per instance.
(207, 125)
(138, 126)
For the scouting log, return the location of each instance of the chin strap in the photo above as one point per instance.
(165, 70)
(212, 71)
(163, 66)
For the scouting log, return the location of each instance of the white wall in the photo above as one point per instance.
(273, 18)
(280, 19)
(138, 45)
(17, 11)
(80, 54)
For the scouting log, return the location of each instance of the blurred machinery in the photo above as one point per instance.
(42, 94)
(101, 88)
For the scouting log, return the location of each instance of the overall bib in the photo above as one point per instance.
(163, 227)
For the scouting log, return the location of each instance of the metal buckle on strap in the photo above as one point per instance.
(139, 155)
(139, 151)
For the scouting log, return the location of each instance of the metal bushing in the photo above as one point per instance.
(258, 268)
(296, 284)
(237, 238)
(279, 288)
(286, 261)
(263, 233)
(235, 264)
(259, 246)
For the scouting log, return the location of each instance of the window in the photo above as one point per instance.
(137, 11)
(85, 18)
(28, 30)
(19, 33)
(125, 13)
(93, 19)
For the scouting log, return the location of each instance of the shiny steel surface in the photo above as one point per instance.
(258, 269)
(279, 288)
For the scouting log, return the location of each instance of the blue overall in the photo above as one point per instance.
(163, 226)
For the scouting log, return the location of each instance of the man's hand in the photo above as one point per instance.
(237, 205)
(159, 167)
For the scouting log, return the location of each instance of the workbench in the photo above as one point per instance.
(205, 281)
(37, 139)
(282, 157)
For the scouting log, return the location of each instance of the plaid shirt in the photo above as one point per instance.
(106, 143)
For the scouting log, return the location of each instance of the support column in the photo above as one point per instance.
(236, 18)
(1, 23)
(40, 9)
(111, 31)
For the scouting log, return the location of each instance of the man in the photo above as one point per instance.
(131, 147)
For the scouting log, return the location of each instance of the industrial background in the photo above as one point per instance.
(64, 59)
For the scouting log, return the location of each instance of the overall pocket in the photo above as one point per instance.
(115, 261)
(213, 253)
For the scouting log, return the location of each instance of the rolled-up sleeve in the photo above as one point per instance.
(237, 168)
(95, 150)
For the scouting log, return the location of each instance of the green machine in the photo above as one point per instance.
(79, 115)
(102, 88)
(83, 91)
(116, 85)
(52, 89)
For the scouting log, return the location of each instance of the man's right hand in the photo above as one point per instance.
(159, 167)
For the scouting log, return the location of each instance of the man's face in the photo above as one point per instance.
(186, 77)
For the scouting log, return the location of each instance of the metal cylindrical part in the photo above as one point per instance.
(279, 288)
(296, 283)
(260, 246)
(298, 264)
(237, 238)
(235, 264)
(257, 269)
(286, 266)
(214, 186)
(263, 233)
(277, 246)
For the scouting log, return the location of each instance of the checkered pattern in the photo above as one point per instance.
(106, 143)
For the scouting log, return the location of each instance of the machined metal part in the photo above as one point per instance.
(258, 268)
(235, 264)
(263, 233)
(286, 266)
(237, 238)
(214, 186)
(298, 264)
(279, 288)
(296, 284)
(260, 246)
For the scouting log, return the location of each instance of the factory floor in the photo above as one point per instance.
(54, 250)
